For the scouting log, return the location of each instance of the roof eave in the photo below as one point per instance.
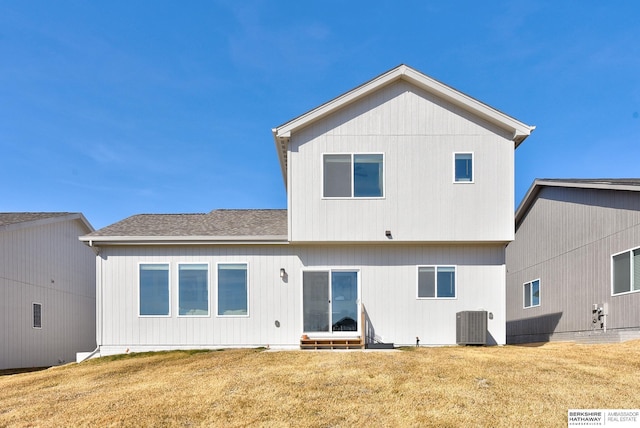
(50, 220)
(281, 142)
(181, 240)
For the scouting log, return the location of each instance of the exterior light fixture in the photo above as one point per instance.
(283, 273)
(387, 233)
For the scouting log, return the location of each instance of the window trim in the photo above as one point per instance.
(217, 283)
(633, 288)
(435, 267)
(177, 281)
(524, 284)
(169, 294)
(352, 197)
(473, 167)
(33, 315)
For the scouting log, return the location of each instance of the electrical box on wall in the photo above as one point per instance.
(599, 314)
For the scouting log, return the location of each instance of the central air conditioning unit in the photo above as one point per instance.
(471, 328)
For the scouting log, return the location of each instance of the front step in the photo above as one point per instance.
(331, 343)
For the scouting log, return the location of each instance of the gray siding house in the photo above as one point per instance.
(47, 289)
(573, 270)
(399, 207)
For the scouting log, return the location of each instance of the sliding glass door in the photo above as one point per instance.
(330, 301)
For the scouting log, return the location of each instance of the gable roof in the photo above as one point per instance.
(282, 133)
(629, 184)
(216, 226)
(19, 220)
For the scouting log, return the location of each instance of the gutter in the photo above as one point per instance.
(91, 241)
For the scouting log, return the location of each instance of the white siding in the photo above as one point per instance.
(46, 264)
(388, 292)
(418, 135)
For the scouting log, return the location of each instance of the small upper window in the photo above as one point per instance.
(532, 294)
(625, 272)
(353, 175)
(463, 167)
(436, 282)
(37, 315)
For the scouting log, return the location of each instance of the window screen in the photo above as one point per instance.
(337, 176)
(154, 289)
(622, 273)
(232, 290)
(193, 295)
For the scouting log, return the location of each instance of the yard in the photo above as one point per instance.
(449, 386)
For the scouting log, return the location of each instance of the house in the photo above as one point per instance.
(573, 270)
(47, 289)
(400, 198)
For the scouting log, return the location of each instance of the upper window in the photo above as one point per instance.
(436, 282)
(233, 290)
(37, 315)
(154, 289)
(193, 294)
(463, 167)
(625, 268)
(353, 175)
(532, 294)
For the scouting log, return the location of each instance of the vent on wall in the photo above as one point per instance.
(471, 328)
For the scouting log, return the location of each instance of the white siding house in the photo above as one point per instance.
(47, 289)
(400, 197)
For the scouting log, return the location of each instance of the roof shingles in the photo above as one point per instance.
(217, 223)
(23, 217)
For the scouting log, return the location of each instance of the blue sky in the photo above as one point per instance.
(118, 108)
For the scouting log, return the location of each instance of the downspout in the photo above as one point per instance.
(98, 303)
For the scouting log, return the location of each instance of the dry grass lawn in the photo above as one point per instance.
(451, 386)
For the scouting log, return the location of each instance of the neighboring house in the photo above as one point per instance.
(47, 289)
(400, 198)
(574, 267)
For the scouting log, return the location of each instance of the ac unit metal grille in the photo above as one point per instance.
(471, 328)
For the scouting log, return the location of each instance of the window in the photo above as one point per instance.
(463, 167)
(193, 289)
(625, 268)
(37, 315)
(436, 282)
(232, 290)
(353, 175)
(154, 290)
(330, 301)
(532, 294)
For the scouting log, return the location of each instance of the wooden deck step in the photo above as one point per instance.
(332, 343)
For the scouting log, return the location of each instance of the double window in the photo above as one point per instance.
(531, 293)
(436, 282)
(193, 294)
(353, 175)
(625, 272)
